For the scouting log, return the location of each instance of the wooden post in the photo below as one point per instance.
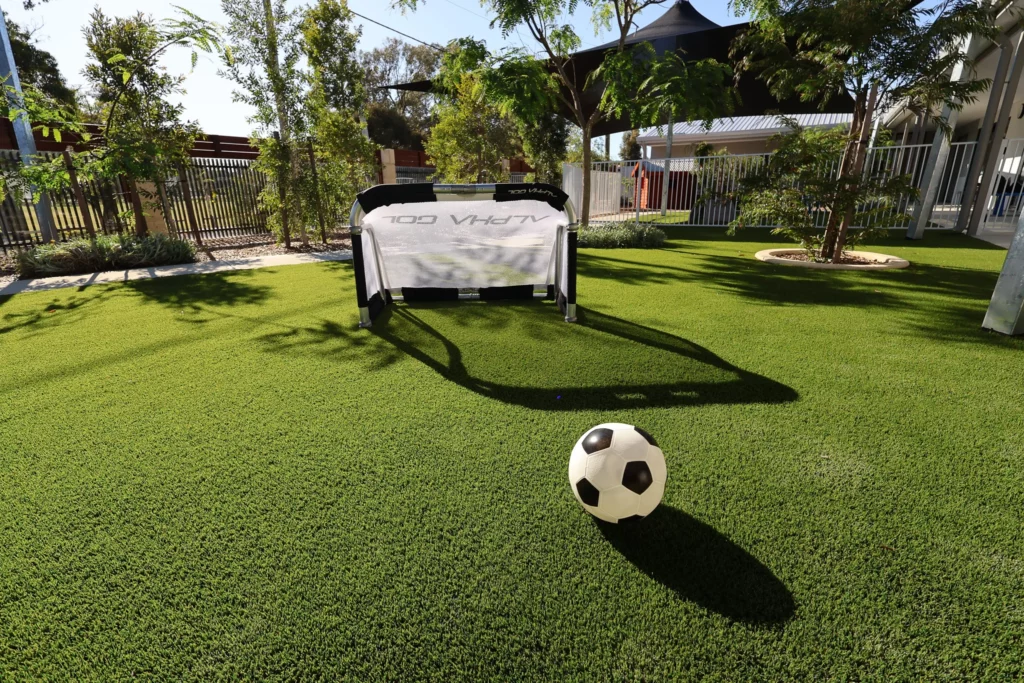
(316, 193)
(140, 216)
(83, 205)
(190, 210)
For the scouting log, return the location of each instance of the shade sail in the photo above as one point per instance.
(695, 37)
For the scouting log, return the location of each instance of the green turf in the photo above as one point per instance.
(221, 477)
(670, 218)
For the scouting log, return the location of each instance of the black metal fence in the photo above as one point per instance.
(223, 192)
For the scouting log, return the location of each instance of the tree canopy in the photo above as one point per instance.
(529, 85)
(399, 62)
(883, 52)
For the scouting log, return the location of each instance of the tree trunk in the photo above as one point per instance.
(165, 207)
(141, 229)
(290, 169)
(856, 172)
(585, 199)
(849, 156)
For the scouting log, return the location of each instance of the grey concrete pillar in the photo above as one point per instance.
(1006, 310)
(988, 172)
(983, 150)
(936, 162)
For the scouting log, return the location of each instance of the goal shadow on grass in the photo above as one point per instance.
(524, 354)
(701, 565)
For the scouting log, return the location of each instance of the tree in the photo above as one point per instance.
(299, 70)
(399, 62)
(798, 184)
(38, 68)
(471, 138)
(630, 149)
(264, 63)
(142, 135)
(545, 146)
(341, 158)
(389, 128)
(882, 52)
(574, 148)
(518, 81)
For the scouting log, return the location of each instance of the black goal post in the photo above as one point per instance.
(426, 242)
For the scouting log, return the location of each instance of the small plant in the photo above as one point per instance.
(106, 252)
(623, 235)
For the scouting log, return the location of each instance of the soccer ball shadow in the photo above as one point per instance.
(525, 354)
(701, 565)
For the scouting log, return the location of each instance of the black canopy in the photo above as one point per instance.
(684, 29)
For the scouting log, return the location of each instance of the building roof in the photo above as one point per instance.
(740, 128)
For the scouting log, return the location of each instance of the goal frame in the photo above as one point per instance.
(370, 306)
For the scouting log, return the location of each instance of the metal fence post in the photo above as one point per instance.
(190, 211)
(665, 174)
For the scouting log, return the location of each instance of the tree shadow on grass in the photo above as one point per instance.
(196, 294)
(524, 354)
(701, 565)
(58, 311)
(939, 302)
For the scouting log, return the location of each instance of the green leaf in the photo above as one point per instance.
(56, 134)
(195, 58)
(119, 57)
(125, 75)
(46, 131)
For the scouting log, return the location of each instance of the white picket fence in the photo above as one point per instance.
(698, 187)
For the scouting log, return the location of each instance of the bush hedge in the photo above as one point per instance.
(624, 235)
(106, 252)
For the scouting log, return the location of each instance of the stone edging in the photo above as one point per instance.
(880, 261)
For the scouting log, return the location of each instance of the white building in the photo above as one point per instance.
(737, 135)
(980, 173)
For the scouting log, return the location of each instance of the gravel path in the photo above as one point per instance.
(7, 272)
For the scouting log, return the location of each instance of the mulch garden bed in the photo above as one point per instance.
(228, 248)
(802, 256)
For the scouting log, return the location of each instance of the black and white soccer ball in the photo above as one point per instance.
(617, 472)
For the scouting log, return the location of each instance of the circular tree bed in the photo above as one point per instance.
(852, 260)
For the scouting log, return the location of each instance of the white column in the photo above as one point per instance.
(937, 156)
(665, 175)
(988, 172)
(388, 171)
(983, 150)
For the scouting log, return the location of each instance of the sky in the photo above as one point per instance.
(57, 26)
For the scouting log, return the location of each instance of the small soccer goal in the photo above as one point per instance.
(426, 242)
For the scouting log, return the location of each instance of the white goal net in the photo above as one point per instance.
(450, 245)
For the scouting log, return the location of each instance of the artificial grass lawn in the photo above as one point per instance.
(221, 477)
(670, 217)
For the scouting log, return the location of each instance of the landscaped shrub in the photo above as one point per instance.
(624, 235)
(106, 252)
